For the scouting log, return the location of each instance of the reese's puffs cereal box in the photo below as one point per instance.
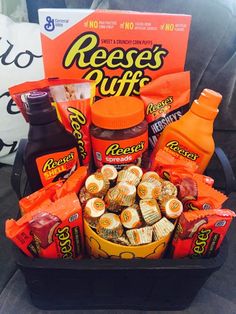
(121, 50)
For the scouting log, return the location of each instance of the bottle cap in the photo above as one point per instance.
(206, 105)
(116, 113)
(40, 110)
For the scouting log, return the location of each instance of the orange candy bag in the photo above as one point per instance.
(51, 231)
(200, 233)
(54, 191)
(166, 99)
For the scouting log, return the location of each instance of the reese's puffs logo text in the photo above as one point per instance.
(85, 52)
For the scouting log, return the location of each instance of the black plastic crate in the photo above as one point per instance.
(163, 284)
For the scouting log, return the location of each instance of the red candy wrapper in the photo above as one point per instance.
(200, 233)
(194, 190)
(54, 191)
(43, 196)
(54, 230)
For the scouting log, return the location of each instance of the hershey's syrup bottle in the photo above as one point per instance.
(51, 152)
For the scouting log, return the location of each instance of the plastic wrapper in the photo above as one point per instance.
(166, 99)
(200, 233)
(51, 231)
(194, 190)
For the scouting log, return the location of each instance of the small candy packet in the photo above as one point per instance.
(200, 233)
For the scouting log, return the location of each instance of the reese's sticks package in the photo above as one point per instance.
(120, 50)
(166, 100)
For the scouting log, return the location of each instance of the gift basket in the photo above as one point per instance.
(116, 211)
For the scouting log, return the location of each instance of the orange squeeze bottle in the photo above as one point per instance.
(191, 137)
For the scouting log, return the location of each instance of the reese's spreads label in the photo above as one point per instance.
(120, 152)
(52, 167)
(166, 100)
(122, 51)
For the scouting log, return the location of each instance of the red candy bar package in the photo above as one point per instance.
(53, 230)
(200, 233)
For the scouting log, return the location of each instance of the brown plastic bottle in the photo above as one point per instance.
(51, 152)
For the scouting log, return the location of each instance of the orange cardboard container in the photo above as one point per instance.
(98, 247)
(121, 50)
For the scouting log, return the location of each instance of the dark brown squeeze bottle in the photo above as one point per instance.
(51, 152)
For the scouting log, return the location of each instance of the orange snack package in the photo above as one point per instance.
(200, 233)
(169, 167)
(207, 197)
(52, 231)
(120, 50)
(166, 99)
(43, 196)
(194, 190)
(54, 191)
(74, 183)
(72, 99)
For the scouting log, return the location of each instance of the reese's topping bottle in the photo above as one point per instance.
(190, 138)
(51, 152)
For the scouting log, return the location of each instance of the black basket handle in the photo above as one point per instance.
(230, 182)
(17, 168)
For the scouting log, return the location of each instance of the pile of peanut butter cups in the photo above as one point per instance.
(129, 207)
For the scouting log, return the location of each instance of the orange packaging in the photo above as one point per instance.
(166, 100)
(121, 50)
(43, 196)
(54, 191)
(194, 190)
(52, 231)
(72, 99)
(200, 233)
(190, 138)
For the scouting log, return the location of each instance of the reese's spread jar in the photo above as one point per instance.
(118, 132)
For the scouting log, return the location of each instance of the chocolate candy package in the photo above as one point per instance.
(52, 230)
(200, 233)
(166, 99)
(72, 99)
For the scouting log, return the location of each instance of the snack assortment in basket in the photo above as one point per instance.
(126, 198)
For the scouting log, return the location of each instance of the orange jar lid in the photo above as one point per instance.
(118, 112)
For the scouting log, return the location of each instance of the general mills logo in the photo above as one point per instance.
(50, 25)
